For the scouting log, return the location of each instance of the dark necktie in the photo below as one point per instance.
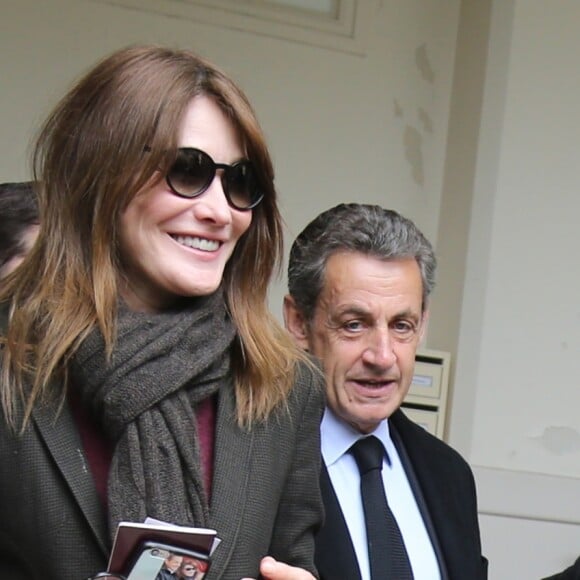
(387, 554)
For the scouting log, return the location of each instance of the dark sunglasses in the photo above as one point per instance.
(194, 170)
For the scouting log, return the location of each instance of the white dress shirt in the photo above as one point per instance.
(337, 438)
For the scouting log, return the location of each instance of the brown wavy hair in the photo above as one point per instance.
(90, 161)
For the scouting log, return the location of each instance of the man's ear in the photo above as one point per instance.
(295, 322)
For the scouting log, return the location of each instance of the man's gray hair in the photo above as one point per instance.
(353, 227)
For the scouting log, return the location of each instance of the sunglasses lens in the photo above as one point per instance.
(191, 173)
(241, 185)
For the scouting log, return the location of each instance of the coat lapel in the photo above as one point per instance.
(60, 435)
(233, 448)
(449, 490)
(396, 422)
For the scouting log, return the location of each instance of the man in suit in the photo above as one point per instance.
(170, 567)
(359, 280)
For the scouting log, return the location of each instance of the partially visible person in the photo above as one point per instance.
(360, 277)
(142, 373)
(170, 568)
(19, 223)
(192, 569)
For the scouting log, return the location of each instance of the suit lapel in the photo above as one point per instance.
(233, 448)
(449, 491)
(335, 555)
(411, 467)
(62, 441)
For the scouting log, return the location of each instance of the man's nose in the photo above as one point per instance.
(379, 350)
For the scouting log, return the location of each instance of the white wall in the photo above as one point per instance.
(531, 315)
(520, 333)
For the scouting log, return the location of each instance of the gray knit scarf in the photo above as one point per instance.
(144, 400)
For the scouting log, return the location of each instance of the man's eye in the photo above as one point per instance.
(352, 325)
(404, 328)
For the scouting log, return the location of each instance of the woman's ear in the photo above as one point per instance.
(295, 322)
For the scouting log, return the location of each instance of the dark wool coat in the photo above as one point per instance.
(265, 494)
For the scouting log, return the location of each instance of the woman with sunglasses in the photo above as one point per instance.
(141, 372)
(191, 569)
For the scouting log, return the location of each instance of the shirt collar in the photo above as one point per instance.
(337, 436)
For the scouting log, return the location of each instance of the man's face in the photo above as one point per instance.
(173, 562)
(366, 328)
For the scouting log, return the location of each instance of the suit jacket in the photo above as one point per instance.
(265, 495)
(165, 574)
(444, 488)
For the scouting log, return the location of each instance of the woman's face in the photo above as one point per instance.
(173, 246)
(188, 570)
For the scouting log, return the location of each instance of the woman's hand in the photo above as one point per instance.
(270, 569)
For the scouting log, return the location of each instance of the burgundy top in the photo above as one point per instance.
(99, 451)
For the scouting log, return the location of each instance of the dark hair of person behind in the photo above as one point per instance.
(18, 211)
(353, 227)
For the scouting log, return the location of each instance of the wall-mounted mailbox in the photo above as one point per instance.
(426, 402)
